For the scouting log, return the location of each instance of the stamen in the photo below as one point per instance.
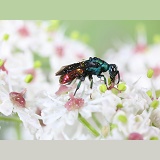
(122, 118)
(150, 73)
(154, 104)
(37, 64)
(154, 138)
(103, 88)
(6, 37)
(122, 87)
(28, 78)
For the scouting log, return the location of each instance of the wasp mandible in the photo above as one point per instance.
(88, 68)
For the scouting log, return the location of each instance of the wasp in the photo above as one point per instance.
(87, 68)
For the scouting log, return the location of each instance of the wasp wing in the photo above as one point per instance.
(68, 68)
(61, 71)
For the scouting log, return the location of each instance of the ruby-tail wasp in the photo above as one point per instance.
(87, 68)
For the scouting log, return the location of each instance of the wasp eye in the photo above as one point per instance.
(113, 69)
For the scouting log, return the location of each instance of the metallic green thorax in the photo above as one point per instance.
(96, 66)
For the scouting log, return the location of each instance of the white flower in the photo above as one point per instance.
(133, 124)
(155, 117)
(106, 104)
(62, 110)
(14, 102)
(134, 101)
(113, 114)
(134, 65)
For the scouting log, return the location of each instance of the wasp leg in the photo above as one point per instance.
(91, 85)
(105, 81)
(79, 84)
(91, 79)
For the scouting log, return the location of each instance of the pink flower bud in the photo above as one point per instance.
(135, 136)
(18, 99)
(74, 103)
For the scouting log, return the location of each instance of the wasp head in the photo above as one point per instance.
(113, 72)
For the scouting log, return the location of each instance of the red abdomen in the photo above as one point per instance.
(69, 77)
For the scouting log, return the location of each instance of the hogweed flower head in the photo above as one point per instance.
(128, 110)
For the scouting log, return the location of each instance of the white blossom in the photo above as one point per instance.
(49, 111)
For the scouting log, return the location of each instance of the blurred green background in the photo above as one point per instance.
(101, 35)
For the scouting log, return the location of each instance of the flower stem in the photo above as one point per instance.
(96, 121)
(10, 119)
(18, 130)
(88, 125)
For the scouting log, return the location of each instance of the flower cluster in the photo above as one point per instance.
(31, 52)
